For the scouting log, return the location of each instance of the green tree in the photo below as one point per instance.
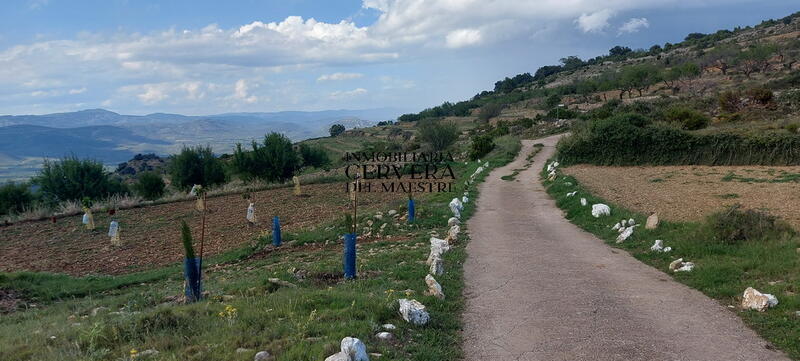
(196, 165)
(755, 59)
(71, 178)
(639, 77)
(15, 198)
(438, 134)
(314, 156)
(149, 185)
(337, 129)
(275, 160)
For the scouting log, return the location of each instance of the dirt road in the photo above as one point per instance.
(539, 288)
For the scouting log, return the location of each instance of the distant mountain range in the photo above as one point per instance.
(112, 138)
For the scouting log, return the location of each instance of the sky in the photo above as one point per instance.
(208, 57)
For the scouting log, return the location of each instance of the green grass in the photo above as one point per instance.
(783, 177)
(303, 323)
(722, 271)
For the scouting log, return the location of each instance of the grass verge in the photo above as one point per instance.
(723, 271)
(116, 317)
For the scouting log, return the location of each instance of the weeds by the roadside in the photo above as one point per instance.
(723, 270)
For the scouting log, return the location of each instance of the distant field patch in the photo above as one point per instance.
(690, 193)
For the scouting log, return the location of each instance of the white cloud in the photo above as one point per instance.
(153, 93)
(77, 91)
(594, 22)
(634, 25)
(463, 37)
(339, 76)
(241, 92)
(344, 94)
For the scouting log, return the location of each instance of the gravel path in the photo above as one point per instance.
(539, 288)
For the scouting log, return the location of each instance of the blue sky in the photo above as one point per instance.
(206, 57)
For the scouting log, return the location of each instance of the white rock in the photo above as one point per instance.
(389, 326)
(413, 312)
(658, 246)
(675, 264)
(338, 357)
(355, 349)
(623, 223)
(627, 232)
(631, 222)
(378, 216)
(600, 210)
(434, 288)
(464, 199)
(385, 336)
(391, 212)
(453, 221)
(584, 202)
(652, 222)
(667, 249)
(452, 234)
(570, 194)
(679, 265)
(262, 356)
(616, 227)
(146, 354)
(437, 265)
(754, 300)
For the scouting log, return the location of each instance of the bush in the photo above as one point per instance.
(760, 95)
(689, 119)
(735, 225)
(73, 179)
(196, 165)
(15, 198)
(792, 127)
(273, 161)
(149, 185)
(489, 111)
(481, 146)
(730, 101)
(619, 141)
(314, 156)
(438, 134)
(336, 129)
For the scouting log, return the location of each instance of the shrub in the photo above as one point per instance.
(196, 165)
(72, 179)
(481, 146)
(489, 111)
(760, 95)
(438, 134)
(617, 141)
(149, 185)
(525, 122)
(500, 129)
(689, 119)
(792, 127)
(336, 129)
(730, 101)
(314, 156)
(735, 225)
(15, 198)
(273, 161)
(186, 239)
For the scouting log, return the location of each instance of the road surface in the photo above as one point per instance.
(539, 288)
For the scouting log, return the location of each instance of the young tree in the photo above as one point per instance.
(273, 161)
(489, 111)
(196, 165)
(721, 57)
(639, 77)
(755, 59)
(337, 129)
(72, 179)
(438, 134)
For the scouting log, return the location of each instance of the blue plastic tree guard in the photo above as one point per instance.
(276, 232)
(411, 211)
(350, 256)
(194, 285)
